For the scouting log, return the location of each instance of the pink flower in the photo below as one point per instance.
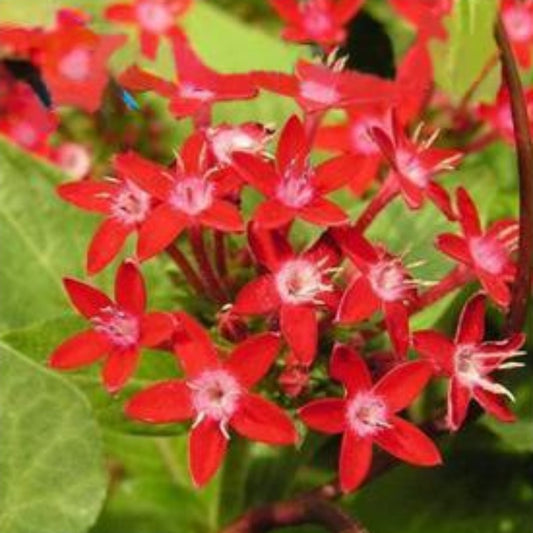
(486, 253)
(293, 188)
(155, 19)
(295, 287)
(468, 361)
(216, 395)
(368, 414)
(74, 159)
(517, 16)
(319, 21)
(118, 328)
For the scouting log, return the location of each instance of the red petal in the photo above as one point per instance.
(130, 292)
(440, 197)
(222, 216)
(299, 326)
(324, 252)
(436, 349)
(287, 10)
(496, 287)
(269, 247)
(258, 297)
(120, 13)
(355, 246)
(322, 212)
(162, 403)
(354, 461)
(257, 172)
(455, 247)
(458, 400)
(159, 230)
(408, 443)
(136, 79)
(278, 82)
(149, 44)
(471, 328)
(119, 367)
(336, 173)
(403, 384)
(493, 404)
(350, 369)
(358, 302)
(327, 415)
(89, 195)
(86, 299)
(344, 10)
(260, 420)
(82, 349)
(252, 359)
(273, 214)
(292, 143)
(193, 345)
(468, 216)
(106, 244)
(207, 447)
(397, 320)
(155, 329)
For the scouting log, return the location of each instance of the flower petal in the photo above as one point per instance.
(335, 173)
(94, 196)
(82, 349)
(455, 247)
(258, 297)
(156, 328)
(106, 244)
(207, 447)
(406, 442)
(260, 420)
(496, 288)
(436, 349)
(327, 415)
(350, 369)
(493, 404)
(257, 172)
(273, 214)
(130, 291)
(357, 303)
(149, 44)
(468, 216)
(292, 143)
(252, 359)
(222, 216)
(322, 212)
(299, 326)
(354, 461)
(162, 403)
(471, 328)
(458, 400)
(120, 13)
(397, 321)
(119, 367)
(86, 299)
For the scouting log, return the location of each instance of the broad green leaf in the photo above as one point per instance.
(460, 59)
(51, 470)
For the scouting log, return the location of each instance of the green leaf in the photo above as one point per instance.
(460, 59)
(51, 470)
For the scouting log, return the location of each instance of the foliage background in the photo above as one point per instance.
(70, 463)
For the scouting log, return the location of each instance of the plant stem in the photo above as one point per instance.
(209, 275)
(522, 285)
(186, 268)
(168, 457)
(220, 254)
(388, 191)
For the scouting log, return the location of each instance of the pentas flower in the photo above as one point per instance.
(415, 164)
(368, 414)
(125, 206)
(74, 64)
(425, 15)
(486, 253)
(517, 16)
(119, 329)
(189, 194)
(468, 362)
(318, 21)
(318, 87)
(216, 395)
(500, 117)
(74, 159)
(294, 288)
(198, 87)
(293, 188)
(155, 19)
(382, 283)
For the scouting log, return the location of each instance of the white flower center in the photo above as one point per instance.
(192, 92)
(121, 327)
(411, 168)
(154, 16)
(76, 64)
(519, 23)
(295, 188)
(367, 414)
(360, 138)
(74, 160)
(389, 280)
(300, 282)
(192, 195)
(319, 92)
(130, 204)
(489, 254)
(226, 141)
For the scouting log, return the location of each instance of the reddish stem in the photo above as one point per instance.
(220, 254)
(524, 147)
(388, 191)
(186, 268)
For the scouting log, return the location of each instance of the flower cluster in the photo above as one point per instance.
(286, 329)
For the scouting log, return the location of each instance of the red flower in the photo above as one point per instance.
(318, 87)
(216, 395)
(118, 329)
(415, 164)
(188, 195)
(468, 362)
(368, 414)
(499, 115)
(155, 18)
(487, 253)
(382, 283)
(73, 62)
(125, 206)
(319, 21)
(517, 16)
(293, 187)
(425, 15)
(295, 287)
(198, 87)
